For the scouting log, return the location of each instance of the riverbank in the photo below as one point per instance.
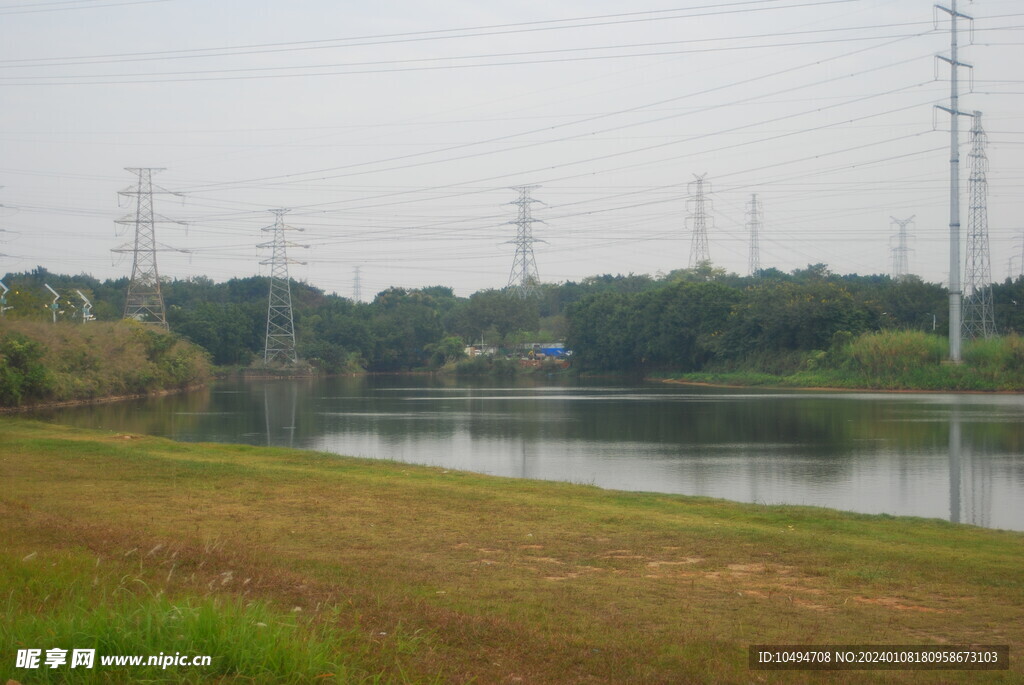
(44, 364)
(740, 381)
(886, 360)
(292, 566)
(836, 381)
(110, 399)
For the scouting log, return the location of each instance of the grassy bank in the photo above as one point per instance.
(290, 566)
(888, 360)
(42, 362)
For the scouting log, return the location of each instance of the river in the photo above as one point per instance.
(951, 456)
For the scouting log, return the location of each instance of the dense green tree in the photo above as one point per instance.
(792, 316)
(910, 303)
(403, 323)
(1008, 303)
(445, 351)
(336, 336)
(679, 327)
(494, 315)
(231, 333)
(23, 377)
(600, 333)
(681, 321)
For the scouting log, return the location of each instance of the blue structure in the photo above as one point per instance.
(554, 350)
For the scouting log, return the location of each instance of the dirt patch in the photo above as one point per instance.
(685, 562)
(893, 603)
(621, 554)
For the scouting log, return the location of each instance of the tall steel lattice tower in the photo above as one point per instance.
(755, 217)
(900, 260)
(699, 207)
(979, 314)
(280, 341)
(955, 288)
(1012, 273)
(144, 302)
(523, 278)
(357, 284)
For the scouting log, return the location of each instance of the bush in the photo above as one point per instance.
(487, 366)
(890, 353)
(993, 355)
(80, 362)
(22, 375)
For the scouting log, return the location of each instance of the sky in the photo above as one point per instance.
(394, 132)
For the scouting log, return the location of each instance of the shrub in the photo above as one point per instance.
(79, 362)
(22, 375)
(1000, 354)
(889, 353)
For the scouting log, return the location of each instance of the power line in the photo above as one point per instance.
(37, 8)
(486, 31)
(291, 178)
(382, 66)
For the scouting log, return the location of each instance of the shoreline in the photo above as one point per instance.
(887, 391)
(655, 488)
(99, 400)
(433, 575)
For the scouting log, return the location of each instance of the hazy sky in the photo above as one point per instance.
(394, 131)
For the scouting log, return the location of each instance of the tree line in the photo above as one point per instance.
(686, 320)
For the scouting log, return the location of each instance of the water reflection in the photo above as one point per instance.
(972, 478)
(280, 404)
(944, 456)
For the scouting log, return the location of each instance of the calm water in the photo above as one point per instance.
(957, 457)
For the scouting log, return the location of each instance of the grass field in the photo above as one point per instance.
(291, 566)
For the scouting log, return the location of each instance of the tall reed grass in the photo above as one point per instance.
(913, 360)
(892, 353)
(996, 356)
(897, 360)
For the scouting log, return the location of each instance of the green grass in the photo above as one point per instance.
(71, 600)
(415, 574)
(892, 360)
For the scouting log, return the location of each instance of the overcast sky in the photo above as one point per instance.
(395, 130)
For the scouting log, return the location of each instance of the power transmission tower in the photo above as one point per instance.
(754, 219)
(979, 315)
(698, 219)
(1011, 273)
(955, 294)
(1021, 239)
(900, 263)
(523, 278)
(144, 301)
(357, 292)
(280, 341)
